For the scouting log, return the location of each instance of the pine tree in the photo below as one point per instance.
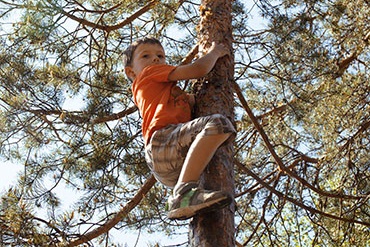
(215, 95)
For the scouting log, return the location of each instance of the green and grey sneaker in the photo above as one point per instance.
(191, 200)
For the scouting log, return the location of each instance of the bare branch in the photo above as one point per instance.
(190, 56)
(115, 116)
(71, 117)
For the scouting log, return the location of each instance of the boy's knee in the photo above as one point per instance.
(222, 121)
(219, 124)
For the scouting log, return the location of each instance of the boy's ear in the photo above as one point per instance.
(130, 73)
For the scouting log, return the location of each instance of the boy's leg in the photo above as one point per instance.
(188, 199)
(177, 151)
(199, 155)
(178, 154)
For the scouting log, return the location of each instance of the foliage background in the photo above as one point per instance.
(302, 112)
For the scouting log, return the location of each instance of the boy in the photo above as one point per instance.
(177, 149)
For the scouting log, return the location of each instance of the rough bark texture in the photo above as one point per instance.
(215, 95)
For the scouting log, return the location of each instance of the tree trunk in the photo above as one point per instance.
(214, 95)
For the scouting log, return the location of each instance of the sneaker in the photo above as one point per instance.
(191, 200)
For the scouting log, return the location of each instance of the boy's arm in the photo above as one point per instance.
(200, 67)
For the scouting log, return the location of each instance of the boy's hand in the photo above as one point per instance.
(219, 49)
(200, 67)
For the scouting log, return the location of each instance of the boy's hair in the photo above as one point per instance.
(129, 52)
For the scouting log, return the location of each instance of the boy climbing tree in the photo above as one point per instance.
(178, 149)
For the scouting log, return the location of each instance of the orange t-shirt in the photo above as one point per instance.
(160, 101)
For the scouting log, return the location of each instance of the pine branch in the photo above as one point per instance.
(281, 166)
(345, 63)
(118, 217)
(296, 202)
(80, 117)
(108, 28)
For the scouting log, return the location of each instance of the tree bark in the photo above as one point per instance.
(215, 95)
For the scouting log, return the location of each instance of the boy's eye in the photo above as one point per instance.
(160, 56)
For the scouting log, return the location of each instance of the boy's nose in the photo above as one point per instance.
(155, 59)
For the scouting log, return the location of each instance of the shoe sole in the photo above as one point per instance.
(188, 212)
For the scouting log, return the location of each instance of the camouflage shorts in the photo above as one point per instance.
(168, 147)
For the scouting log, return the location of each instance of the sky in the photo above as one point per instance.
(8, 174)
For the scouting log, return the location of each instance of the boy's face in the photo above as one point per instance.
(145, 55)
